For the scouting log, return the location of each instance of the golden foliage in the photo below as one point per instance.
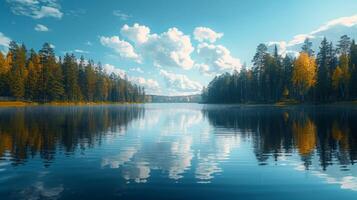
(5, 63)
(304, 73)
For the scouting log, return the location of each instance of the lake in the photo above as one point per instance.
(178, 151)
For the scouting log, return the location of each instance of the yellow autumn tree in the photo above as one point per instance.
(5, 63)
(304, 74)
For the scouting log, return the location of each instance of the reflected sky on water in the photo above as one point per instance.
(178, 151)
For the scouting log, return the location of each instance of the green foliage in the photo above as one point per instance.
(43, 78)
(331, 76)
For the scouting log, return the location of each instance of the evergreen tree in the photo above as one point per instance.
(307, 47)
(70, 71)
(18, 72)
(343, 46)
(323, 71)
(353, 69)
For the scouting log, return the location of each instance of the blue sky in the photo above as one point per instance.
(172, 47)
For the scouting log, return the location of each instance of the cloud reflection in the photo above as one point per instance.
(184, 137)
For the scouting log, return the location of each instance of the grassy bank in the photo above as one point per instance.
(57, 103)
(16, 103)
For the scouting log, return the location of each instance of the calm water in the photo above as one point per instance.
(178, 151)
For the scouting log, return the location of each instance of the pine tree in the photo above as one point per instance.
(34, 72)
(353, 69)
(70, 71)
(259, 60)
(323, 72)
(18, 73)
(90, 81)
(343, 46)
(307, 47)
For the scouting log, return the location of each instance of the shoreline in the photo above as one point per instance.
(4, 104)
(25, 104)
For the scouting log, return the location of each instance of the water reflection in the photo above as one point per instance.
(324, 131)
(26, 132)
(176, 143)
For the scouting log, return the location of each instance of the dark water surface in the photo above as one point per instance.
(178, 151)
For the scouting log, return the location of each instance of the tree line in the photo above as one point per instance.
(330, 75)
(43, 77)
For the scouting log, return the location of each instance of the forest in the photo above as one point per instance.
(43, 77)
(329, 75)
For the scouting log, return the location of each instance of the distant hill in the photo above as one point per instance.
(173, 99)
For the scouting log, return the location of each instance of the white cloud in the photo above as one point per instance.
(206, 34)
(137, 69)
(218, 57)
(88, 43)
(123, 48)
(285, 47)
(137, 33)
(81, 51)
(180, 82)
(109, 69)
(342, 21)
(204, 69)
(121, 15)
(36, 9)
(41, 28)
(172, 48)
(151, 86)
(4, 41)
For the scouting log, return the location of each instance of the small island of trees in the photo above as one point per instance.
(329, 76)
(43, 77)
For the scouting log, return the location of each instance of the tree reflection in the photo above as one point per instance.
(27, 132)
(326, 133)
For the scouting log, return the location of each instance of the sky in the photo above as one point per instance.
(173, 47)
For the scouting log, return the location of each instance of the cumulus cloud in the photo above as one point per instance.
(287, 47)
(180, 82)
(151, 86)
(41, 28)
(123, 48)
(218, 57)
(4, 41)
(203, 34)
(171, 48)
(121, 15)
(36, 9)
(137, 33)
(204, 69)
(109, 69)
